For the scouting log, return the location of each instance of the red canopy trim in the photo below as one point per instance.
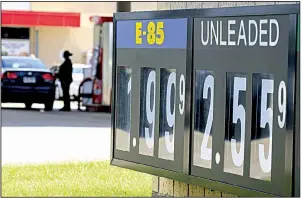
(98, 20)
(34, 18)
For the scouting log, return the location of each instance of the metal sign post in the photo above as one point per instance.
(123, 6)
(209, 97)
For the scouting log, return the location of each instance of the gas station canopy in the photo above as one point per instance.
(34, 18)
(100, 19)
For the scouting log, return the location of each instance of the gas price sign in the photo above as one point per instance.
(241, 105)
(209, 99)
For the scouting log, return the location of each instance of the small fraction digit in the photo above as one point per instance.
(182, 94)
(282, 104)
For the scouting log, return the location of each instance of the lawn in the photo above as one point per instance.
(74, 179)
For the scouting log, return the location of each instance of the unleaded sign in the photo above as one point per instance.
(208, 97)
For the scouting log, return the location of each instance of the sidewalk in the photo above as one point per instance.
(33, 145)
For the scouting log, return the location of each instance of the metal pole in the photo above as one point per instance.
(123, 6)
(37, 43)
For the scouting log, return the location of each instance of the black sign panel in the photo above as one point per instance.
(213, 105)
(241, 73)
(151, 62)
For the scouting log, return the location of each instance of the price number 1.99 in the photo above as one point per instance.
(167, 112)
(123, 106)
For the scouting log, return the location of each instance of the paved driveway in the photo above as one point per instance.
(38, 137)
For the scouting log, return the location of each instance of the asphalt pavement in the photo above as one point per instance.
(34, 136)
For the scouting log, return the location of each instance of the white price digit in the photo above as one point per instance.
(129, 85)
(150, 112)
(170, 116)
(206, 153)
(238, 114)
(266, 117)
(182, 94)
(282, 106)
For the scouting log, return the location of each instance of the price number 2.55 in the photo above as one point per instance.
(262, 137)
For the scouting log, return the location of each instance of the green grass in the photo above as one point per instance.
(74, 179)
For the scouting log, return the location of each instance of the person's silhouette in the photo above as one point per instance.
(65, 77)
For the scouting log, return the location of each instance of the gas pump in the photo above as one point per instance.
(101, 64)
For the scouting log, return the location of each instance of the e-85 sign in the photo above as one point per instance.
(155, 84)
(236, 92)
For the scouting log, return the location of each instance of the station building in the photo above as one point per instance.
(46, 29)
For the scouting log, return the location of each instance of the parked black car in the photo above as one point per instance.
(27, 80)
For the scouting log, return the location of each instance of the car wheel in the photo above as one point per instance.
(28, 105)
(48, 106)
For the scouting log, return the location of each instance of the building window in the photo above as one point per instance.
(14, 33)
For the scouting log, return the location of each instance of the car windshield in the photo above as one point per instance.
(22, 63)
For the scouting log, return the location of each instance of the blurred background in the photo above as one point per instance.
(47, 28)
(46, 152)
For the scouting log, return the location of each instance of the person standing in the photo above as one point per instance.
(65, 77)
